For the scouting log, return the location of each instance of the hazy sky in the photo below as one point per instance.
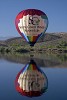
(56, 11)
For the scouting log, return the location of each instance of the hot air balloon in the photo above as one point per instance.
(31, 81)
(31, 24)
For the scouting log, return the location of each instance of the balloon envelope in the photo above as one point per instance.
(31, 81)
(31, 24)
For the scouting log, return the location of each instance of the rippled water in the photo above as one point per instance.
(54, 69)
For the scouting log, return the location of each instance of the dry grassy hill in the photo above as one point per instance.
(48, 40)
(47, 37)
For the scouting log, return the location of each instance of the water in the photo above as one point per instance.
(55, 71)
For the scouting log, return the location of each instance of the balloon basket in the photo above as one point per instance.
(31, 49)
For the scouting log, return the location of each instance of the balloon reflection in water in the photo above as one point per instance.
(31, 80)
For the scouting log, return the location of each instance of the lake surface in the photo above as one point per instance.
(55, 71)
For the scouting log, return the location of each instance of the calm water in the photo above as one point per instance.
(56, 75)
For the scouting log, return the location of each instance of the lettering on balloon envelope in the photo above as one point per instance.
(32, 25)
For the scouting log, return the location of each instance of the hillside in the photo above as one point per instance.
(50, 41)
(45, 38)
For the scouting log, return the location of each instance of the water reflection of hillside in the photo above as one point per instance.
(41, 59)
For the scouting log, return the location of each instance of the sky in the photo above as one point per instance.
(56, 10)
